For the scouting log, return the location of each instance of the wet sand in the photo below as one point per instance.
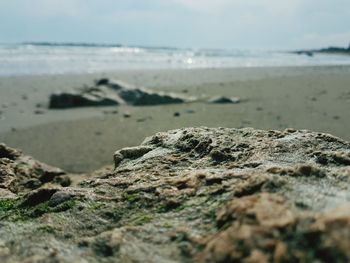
(84, 139)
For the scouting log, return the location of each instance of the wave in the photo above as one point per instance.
(106, 45)
(69, 44)
(33, 58)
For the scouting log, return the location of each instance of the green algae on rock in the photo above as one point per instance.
(188, 195)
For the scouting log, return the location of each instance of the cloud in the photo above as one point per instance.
(203, 6)
(198, 23)
(43, 8)
(237, 6)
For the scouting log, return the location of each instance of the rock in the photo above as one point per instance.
(103, 81)
(192, 195)
(20, 173)
(115, 85)
(38, 196)
(140, 97)
(84, 97)
(223, 100)
(59, 197)
(64, 181)
(126, 115)
(130, 153)
(6, 194)
(38, 112)
(109, 93)
(110, 112)
(9, 153)
(39, 105)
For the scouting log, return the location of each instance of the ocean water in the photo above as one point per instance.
(51, 58)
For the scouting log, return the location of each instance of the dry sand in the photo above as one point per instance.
(79, 140)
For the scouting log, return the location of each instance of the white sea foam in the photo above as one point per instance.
(32, 59)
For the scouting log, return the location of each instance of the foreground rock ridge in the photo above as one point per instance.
(187, 195)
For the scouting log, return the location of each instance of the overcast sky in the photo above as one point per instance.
(264, 24)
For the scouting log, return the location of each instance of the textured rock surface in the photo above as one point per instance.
(21, 173)
(109, 93)
(193, 195)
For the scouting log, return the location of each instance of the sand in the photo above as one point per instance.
(84, 139)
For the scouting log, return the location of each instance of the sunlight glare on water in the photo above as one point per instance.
(33, 59)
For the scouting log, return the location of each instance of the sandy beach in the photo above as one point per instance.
(84, 139)
(174, 131)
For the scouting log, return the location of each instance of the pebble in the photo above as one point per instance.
(58, 198)
(110, 111)
(126, 115)
(39, 112)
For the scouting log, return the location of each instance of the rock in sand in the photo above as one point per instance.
(109, 93)
(224, 100)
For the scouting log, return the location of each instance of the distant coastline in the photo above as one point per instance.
(97, 45)
(70, 44)
(329, 50)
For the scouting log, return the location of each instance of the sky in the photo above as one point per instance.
(258, 24)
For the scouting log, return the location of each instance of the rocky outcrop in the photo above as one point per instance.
(109, 93)
(20, 173)
(86, 96)
(193, 195)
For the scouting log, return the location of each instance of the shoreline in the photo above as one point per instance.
(155, 70)
(84, 139)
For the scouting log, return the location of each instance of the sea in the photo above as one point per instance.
(63, 58)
